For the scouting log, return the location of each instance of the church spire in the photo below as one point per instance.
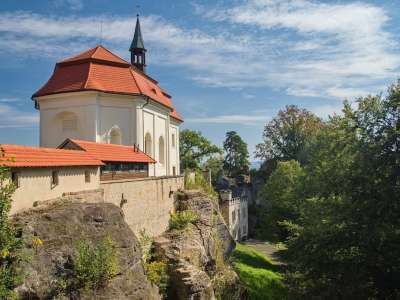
(137, 49)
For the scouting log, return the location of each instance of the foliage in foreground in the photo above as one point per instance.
(258, 274)
(344, 240)
(9, 243)
(92, 267)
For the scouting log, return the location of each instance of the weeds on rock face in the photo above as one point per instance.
(91, 267)
(182, 219)
(156, 270)
(157, 273)
(145, 241)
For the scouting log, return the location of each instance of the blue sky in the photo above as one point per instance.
(230, 65)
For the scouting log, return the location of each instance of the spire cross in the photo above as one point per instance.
(138, 9)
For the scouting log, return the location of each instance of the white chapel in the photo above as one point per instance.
(97, 96)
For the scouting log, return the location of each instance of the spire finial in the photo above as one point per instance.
(138, 10)
(137, 49)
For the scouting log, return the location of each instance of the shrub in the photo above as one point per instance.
(9, 243)
(92, 267)
(145, 242)
(182, 219)
(157, 274)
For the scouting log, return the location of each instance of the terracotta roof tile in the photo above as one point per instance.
(100, 70)
(99, 53)
(112, 153)
(23, 156)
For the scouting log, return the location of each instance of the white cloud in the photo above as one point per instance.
(339, 48)
(9, 100)
(12, 117)
(305, 48)
(230, 119)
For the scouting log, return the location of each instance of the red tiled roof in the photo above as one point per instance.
(98, 69)
(99, 53)
(174, 114)
(111, 152)
(23, 156)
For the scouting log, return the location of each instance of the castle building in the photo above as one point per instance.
(234, 209)
(99, 97)
(108, 133)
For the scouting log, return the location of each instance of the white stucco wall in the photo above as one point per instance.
(98, 113)
(52, 109)
(174, 149)
(35, 184)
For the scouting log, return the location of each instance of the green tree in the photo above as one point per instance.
(9, 244)
(236, 160)
(216, 165)
(195, 148)
(346, 242)
(279, 201)
(286, 135)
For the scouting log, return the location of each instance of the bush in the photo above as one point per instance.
(145, 242)
(9, 243)
(157, 274)
(182, 219)
(92, 267)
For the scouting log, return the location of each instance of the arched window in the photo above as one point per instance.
(147, 144)
(161, 150)
(115, 136)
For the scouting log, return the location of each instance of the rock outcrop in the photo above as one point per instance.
(59, 227)
(197, 256)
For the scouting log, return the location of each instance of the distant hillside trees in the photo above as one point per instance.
(338, 211)
(195, 149)
(236, 160)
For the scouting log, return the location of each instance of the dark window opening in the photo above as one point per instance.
(125, 168)
(15, 179)
(87, 176)
(54, 178)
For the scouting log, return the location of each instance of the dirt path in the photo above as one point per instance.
(265, 248)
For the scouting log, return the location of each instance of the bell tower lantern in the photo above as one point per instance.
(137, 49)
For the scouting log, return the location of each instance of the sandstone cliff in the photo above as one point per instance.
(197, 256)
(59, 227)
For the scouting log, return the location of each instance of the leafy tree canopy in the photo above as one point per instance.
(195, 148)
(236, 161)
(279, 201)
(286, 135)
(343, 216)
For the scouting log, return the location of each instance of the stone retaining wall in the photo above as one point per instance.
(146, 202)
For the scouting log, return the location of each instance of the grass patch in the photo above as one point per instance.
(258, 274)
